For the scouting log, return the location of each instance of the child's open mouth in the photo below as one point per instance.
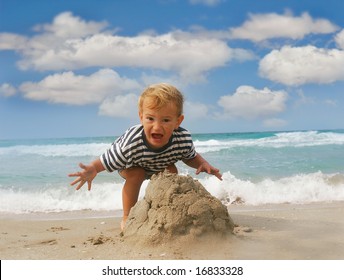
(157, 136)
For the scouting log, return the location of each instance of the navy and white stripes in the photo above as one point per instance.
(131, 150)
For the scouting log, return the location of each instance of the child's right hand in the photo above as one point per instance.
(88, 173)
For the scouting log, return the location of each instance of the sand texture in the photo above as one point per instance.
(175, 208)
(313, 231)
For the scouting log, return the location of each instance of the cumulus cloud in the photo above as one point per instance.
(189, 58)
(261, 27)
(68, 88)
(295, 66)
(50, 38)
(200, 33)
(7, 90)
(66, 25)
(249, 103)
(339, 39)
(195, 110)
(10, 41)
(122, 106)
(71, 43)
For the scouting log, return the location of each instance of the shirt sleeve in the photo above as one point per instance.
(190, 152)
(113, 159)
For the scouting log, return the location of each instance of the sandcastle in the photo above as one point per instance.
(176, 207)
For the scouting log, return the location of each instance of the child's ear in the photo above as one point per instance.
(179, 120)
(141, 117)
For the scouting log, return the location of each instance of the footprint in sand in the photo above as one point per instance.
(241, 231)
(48, 242)
(43, 242)
(99, 240)
(57, 229)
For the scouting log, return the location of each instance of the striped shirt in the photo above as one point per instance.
(131, 150)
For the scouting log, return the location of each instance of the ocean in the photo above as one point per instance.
(296, 167)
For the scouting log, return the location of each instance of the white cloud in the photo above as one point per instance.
(195, 110)
(71, 43)
(66, 25)
(200, 33)
(51, 38)
(122, 106)
(339, 38)
(69, 88)
(295, 66)
(189, 58)
(10, 41)
(206, 2)
(261, 27)
(249, 103)
(7, 90)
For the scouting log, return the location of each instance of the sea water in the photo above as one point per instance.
(258, 168)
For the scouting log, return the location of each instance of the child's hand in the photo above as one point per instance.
(88, 173)
(206, 167)
(199, 163)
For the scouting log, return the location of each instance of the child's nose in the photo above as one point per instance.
(157, 125)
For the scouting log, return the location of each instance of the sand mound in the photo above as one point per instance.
(176, 207)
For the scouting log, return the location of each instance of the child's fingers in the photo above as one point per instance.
(82, 182)
(81, 177)
(218, 175)
(89, 185)
(74, 174)
(75, 181)
(83, 166)
(213, 171)
(199, 170)
(209, 170)
(203, 168)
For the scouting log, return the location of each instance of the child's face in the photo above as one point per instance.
(159, 124)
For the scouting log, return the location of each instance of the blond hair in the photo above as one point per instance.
(160, 95)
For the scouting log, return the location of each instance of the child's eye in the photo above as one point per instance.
(166, 120)
(149, 118)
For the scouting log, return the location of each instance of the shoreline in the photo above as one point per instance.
(94, 214)
(266, 232)
(63, 215)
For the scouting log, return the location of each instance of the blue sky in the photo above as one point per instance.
(75, 68)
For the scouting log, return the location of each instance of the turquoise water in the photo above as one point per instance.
(260, 167)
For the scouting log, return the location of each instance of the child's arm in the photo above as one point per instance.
(199, 163)
(88, 173)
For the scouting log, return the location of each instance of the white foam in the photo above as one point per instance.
(102, 197)
(302, 188)
(302, 139)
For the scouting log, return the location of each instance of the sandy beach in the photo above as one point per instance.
(268, 232)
